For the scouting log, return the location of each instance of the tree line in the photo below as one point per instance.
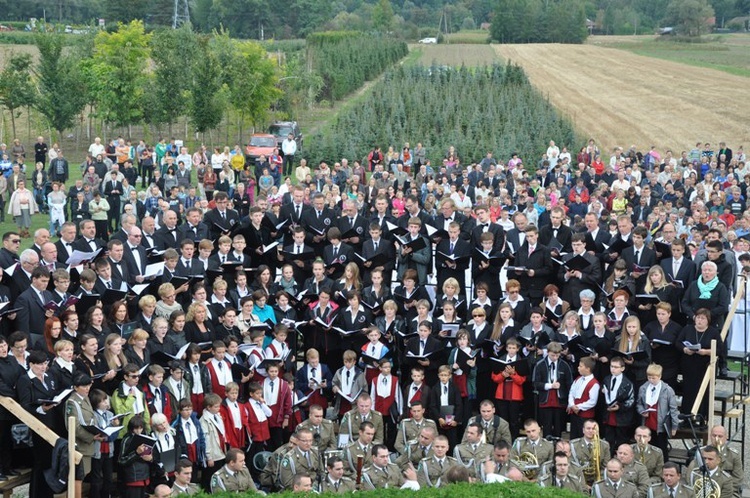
(476, 110)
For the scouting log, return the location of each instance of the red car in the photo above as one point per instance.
(261, 144)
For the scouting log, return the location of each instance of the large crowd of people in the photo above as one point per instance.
(254, 324)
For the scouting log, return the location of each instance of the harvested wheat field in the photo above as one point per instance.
(456, 54)
(620, 98)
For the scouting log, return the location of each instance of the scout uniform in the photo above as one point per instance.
(432, 470)
(80, 407)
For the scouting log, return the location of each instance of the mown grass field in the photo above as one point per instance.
(728, 53)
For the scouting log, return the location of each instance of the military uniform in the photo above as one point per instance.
(570, 482)
(721, 477)
(352, 452)
(344, 485)
(295, 462)
(408, 431)
(80, 407)
(653, 458)
(350, 425)
(661, 490)
(390, 476)
(472, 456)
(607, 489)
(573, 469)
(495, 430)
(324, 436)
(636, 473)
(192, 489)
(501, 470)
(413, 453)
(431, 470)
(542, 449)
(269, 477)
(580, 453)
(731, 462)
(227, 480)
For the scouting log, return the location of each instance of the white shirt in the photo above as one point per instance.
(576, 391)
(234, 409)
(223, 372)
(197, 381)
(261, 410)
(271, 395)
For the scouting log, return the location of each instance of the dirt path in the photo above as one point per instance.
(621, 98)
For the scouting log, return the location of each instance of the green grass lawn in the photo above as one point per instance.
(728, 53)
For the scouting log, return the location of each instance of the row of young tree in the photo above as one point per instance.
(476, 110)
(131, 77)
(345, 60)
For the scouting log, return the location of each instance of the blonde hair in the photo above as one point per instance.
(190, 316)
(108, 357)
(624, 334)
(138, 335)
(649, 288)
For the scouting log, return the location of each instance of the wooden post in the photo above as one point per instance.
(34, 424)
(712, 385)
(71, 457)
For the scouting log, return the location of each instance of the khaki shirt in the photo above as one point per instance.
(352, 452)
(192, 489)
(324, 437)
(413, 454)
(636, 473)
(376, 478)
(492, 434)
(408, 431)
(605, 489)
(660, 490)
(430, 472)
(226, 480)
(295, 462)
(570, 482)
(350, 425)
(720, 477)
(345, 485)
(472, 456)
(653, 458)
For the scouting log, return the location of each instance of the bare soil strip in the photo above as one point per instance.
(620, 98)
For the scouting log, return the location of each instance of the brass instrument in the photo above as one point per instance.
(642, 451)
(702, 483)
(528, 463)
(593, 471)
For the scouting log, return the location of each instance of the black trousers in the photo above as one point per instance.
(510, 411)
(100, 478)
(552, 421)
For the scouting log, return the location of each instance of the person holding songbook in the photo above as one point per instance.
(462, 360)
(657, 405)
(662, 333)
(509, 375)
(635, 348)
(135, 459)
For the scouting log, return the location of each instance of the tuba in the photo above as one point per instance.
(705, 487)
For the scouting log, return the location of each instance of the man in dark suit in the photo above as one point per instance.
(373, 246)
(641, 256)
(20, 280)
(117, 264)
(294, 211)
(65, 244)
(302, 267)
(221, 220)
(9, 251)
(166, 236)
(88, 241)
(337, 253)
(41, 237)
(188, 265)
(484, 224)
(134, 255)
(126, 223)
(624, 233)
(48, 257)
(448, 215)
(413, 210)
(535, 257)
(577, 280)
(456, 247)
(517, 236)
(382, 217)
(113, 190)
(316, 223)
(596, 236)
(679, 267)
(557, 231)
(194, 229)
(353, 227)
(148, 230)
(31, 313)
